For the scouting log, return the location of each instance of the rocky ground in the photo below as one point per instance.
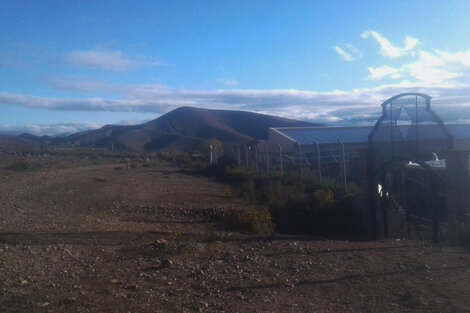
(98, 238)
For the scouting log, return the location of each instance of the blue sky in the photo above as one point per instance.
(67, 66)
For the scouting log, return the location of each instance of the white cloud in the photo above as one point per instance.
(382, 72)
(349, 53)
(356, 106)
(462, 58)
(83, 85)
(49, 130)
(156, 105)
(387, 49)
(344, 55)
(107, 60)
(429, 68)
(410, 43)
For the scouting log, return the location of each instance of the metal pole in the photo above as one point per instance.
(372, 187)
(417, 128)
(246, 156)
(238, 155)
(280, 157)
(300, 161)
(256, 157)
(402, 187)
(343, 165)
(211, 154)
(383, 204)
(391, 130)
(318, 161)
(267, 157)
(435, 217)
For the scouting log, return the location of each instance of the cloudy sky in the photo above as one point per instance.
(67, 66)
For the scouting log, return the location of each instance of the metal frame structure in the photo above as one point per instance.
(389, 104)
(387, 145)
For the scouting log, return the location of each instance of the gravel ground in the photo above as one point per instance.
(101, 239)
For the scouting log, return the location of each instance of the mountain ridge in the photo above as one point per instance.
(182, 129)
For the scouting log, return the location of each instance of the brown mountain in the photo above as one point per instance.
(17, 141)
(182, 129)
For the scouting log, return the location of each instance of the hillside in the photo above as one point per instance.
(182, 129)
(19, 141)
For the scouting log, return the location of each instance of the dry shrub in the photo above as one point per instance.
(228, 192)
(304, 207)
(258, 221)
(21, 164)
(182, 159)
(247, 190)
(295, 205)
(323, 199)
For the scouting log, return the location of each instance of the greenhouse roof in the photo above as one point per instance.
(359, 134)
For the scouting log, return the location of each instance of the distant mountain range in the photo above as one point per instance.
(19, 141)
(183, 129)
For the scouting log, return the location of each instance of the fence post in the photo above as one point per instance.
(383, 205)
(343, 165)
(246, 155)
(280, 158)
(211, 154)
(300, 161)
(372, 189)
(458, 182)
(267, 157)
(318, 161)
(435, 217)
(238, 155)
(256, 157)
